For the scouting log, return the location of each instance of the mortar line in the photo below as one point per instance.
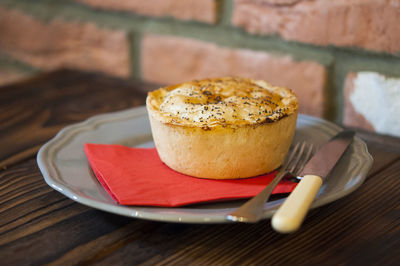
(135, 39)
(219, 34)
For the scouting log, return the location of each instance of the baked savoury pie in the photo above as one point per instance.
(222, 128)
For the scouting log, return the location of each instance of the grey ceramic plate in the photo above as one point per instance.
(65, 168)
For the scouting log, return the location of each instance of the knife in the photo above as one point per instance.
(292, 212)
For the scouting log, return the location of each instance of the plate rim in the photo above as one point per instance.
(48, 169)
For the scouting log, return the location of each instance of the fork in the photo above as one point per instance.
(252, 211)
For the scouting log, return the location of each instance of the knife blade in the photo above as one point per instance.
(292, 212)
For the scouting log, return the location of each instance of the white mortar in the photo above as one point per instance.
(377, 98)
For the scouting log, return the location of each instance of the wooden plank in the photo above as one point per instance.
(382, 156)
(33, 111)
(391, 143)
(364, 222)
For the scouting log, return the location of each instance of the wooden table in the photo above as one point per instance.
(38, 225)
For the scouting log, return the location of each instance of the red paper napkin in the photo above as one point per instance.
(137, 176)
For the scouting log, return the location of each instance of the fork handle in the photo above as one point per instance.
(291, 214)
(253, 210)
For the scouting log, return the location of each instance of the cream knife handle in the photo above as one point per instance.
(291, 214)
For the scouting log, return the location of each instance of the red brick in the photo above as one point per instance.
(204, 10)
(63, 44)
(369, 24)
(169, 60)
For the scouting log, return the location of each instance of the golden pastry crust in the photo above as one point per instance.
(222, 128)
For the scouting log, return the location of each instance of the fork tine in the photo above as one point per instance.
(291, 155)
(305, 156)
(310, 152)
(297, 158)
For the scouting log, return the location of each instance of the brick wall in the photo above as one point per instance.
(342, 58)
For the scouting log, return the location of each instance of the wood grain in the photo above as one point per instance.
(364, 223)
(33, 111)
(38, 225)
